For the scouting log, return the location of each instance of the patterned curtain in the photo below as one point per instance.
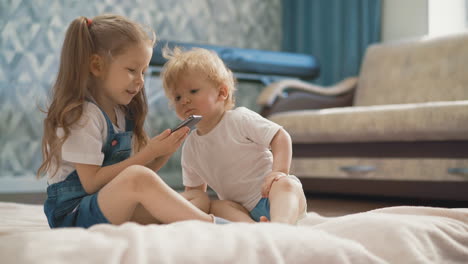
(337, 32)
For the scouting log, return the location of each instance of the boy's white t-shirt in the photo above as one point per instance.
(233, 158)
(84, 145)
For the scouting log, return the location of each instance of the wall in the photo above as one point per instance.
(404, 19)
(447, 17)
(417, 18)
(31, 33)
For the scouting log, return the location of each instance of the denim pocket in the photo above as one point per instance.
(66, 207)
(68, 197)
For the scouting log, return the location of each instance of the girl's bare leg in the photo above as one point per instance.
(143, 217)
(198, 198)
(231, 211)
(136, 186)
(287, 201)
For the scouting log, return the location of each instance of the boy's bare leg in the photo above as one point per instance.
(231, 211)
(287, 201)
(198, 198)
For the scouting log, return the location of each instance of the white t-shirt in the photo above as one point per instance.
(233, 158)
(84, 145)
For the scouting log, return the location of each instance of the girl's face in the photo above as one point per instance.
(195, 94)
(123, 77)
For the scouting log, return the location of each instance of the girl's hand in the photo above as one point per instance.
(269, 180)
(167, 142)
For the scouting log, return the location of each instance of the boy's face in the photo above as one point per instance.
(195, 94)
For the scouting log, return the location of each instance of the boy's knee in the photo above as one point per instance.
(286, 184)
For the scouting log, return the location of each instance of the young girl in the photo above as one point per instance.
(230, 149)
(96, 116)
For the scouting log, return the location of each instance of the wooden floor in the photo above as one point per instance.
(338, 206)
(343, 205)
(324, 205)
(28, 198)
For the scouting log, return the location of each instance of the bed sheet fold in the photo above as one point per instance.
(405, 234)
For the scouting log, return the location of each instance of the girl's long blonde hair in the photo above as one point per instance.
(107, 36)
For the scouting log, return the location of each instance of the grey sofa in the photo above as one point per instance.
(399, 129)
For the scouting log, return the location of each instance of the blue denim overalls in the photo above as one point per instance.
(67, 202)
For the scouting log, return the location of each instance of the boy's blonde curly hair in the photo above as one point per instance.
(205, 61)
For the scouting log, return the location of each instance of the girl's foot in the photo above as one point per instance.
(219, 220)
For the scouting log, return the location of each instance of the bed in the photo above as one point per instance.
(400, 234)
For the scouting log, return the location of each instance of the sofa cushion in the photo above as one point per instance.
(399, 122)
(415, 71)
(432, 169)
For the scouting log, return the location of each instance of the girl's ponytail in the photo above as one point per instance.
(69, 91)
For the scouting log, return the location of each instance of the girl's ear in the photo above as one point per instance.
(223, 92)
(96, 65)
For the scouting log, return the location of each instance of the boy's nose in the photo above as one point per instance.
(186, 100)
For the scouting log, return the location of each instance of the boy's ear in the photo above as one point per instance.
(96, 65)
(223, 92)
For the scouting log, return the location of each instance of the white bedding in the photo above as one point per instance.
(389, 235)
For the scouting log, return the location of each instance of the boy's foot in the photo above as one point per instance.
(264, 219)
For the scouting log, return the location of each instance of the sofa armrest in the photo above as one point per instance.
(268, 96)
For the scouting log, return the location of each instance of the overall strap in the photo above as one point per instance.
(110, 126)
(116, 141)
(129, 123)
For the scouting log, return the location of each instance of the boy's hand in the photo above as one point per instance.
(167, 142)
(269, 179)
